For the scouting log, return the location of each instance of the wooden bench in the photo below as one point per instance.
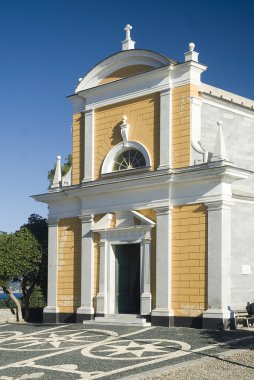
(242, 318)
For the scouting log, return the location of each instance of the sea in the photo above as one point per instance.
(5, 296)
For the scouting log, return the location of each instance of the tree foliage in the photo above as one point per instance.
(65, 168)
(23, 257)
(38, 227)
(20, 257)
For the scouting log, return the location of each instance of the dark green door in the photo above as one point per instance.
(128, 278)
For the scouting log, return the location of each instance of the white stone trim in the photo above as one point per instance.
(87, 266)
(121, 147)
(216, 92)
(102, 307)
(227, 106)
(118, 61)
(165, 129)
(187, 73)
(123, 89)
(198, 153)
(52, 301)
(109, 238)
(163, 261)
(219, 259)
(89, 146)
(145, 274)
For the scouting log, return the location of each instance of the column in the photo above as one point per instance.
(50, 312)
(218, 314)
(165, 129)
(89, 145)
(86, 310)
(163, 314)
(145, 307)
(102, 295)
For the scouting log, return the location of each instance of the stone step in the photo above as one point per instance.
(120, 320)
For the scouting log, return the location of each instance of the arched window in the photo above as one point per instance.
(132, 155)
(129, 159)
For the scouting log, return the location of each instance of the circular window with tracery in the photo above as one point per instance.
(129, 159)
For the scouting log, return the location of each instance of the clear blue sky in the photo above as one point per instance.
(46, 45)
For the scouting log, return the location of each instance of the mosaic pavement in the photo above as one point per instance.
(76, 351)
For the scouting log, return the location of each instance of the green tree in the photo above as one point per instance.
(65, 168)
(38, 227)
(20, 260)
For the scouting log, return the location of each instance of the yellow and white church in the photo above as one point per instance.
(154, 221)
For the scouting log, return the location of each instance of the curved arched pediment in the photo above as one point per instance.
(120, 65)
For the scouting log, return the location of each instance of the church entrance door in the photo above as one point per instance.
(128, 278)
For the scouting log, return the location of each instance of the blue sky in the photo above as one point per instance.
(46, 45)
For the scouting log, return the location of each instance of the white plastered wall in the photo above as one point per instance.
(242, 283)
(238, 131)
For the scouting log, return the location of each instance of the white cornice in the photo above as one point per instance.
(227, 105)
(122, 89)
(198, 174)
(157, 80)
(243, 196)
(187, 72)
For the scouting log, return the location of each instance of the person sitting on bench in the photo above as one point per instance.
(250, 308)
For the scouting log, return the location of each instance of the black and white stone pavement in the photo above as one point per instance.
(76, 351)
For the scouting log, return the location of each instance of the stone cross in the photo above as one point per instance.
(128, 32)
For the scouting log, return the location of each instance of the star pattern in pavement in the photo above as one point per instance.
(134, 349)
(57, 340)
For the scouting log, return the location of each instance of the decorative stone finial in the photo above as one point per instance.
(191, 55)
(124, 130)
(128, 44)
(220, 152)
(57, 181)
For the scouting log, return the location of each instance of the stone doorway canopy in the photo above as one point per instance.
(123, 227)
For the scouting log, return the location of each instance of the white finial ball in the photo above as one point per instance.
(219, 123)
(80, 79)
(191, 46)
(58, 157)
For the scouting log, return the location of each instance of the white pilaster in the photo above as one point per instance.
(89, 146)
(163, 262)
(52, 266)
(165, 129)
(87, 267)
(145, 307)
(103, 286)
(219, 261)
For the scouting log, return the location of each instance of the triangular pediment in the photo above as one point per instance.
(122, 219)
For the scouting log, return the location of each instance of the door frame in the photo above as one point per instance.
(141, 234)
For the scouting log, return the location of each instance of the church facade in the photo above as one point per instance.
(153, 223)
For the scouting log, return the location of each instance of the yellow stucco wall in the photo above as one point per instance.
(77, 148)
(143, 116)
(189, 260)
(181, 127)
(69, 264)
(126, 72)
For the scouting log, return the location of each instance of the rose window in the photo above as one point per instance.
(129, 159)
